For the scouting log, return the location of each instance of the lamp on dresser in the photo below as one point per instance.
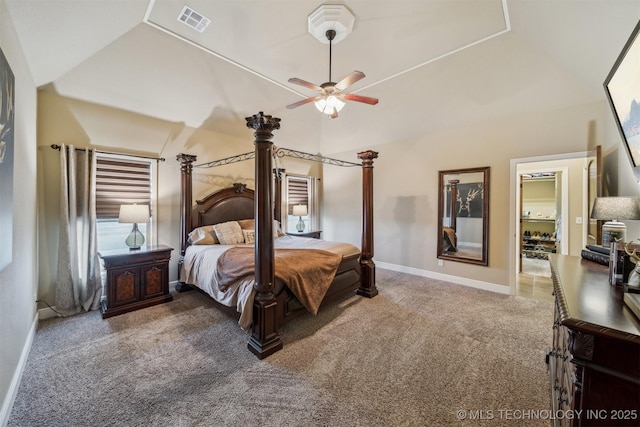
(612, 210)
(300, 211)
(134, 214)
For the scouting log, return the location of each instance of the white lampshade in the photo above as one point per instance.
(326, 105)
(132, 214)
(616, 208)
(300, 210)
(613, 209)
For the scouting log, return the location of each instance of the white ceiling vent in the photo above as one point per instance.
(193, 19)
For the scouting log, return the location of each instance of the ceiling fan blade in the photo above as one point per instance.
(349, 80)
(304, 83)
(304, 101)
(359, 98)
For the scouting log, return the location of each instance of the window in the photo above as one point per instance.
(301, 190)
(122, 180)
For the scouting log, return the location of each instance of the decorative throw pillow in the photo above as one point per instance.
(277, 230)
(247, 224)
(203, 236)
(250, 224)
(249, 236)
(229, 233)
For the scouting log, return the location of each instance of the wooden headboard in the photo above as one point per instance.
(228, 204)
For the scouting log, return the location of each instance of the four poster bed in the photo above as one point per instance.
(232, 249)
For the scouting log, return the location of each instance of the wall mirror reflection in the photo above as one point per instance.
(463, 215)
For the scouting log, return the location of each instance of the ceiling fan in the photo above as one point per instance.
(331, 98)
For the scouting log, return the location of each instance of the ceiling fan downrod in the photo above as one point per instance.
(331, 34)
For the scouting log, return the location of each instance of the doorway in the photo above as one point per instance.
(541, 213)
(555, 211)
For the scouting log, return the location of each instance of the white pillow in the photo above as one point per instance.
(229, 233)
(249, 236)
(250, 224)
(203, 236)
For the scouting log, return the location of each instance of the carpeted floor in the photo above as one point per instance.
(422, 353)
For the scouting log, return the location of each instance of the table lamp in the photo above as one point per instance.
(612, 210)
(300, 211)
(134, 214)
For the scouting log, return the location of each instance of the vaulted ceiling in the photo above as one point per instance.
(432, 63)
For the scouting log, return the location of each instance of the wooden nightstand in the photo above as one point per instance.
(314, 234)
(135, 279)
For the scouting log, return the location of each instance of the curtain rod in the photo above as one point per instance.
(160, 159)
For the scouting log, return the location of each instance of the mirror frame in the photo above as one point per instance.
(484, 258)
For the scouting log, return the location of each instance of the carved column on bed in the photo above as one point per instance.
(277, 194)
(265, 335)
(368, 281)
(186, 166)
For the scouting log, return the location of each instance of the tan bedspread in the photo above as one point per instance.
(307, 272)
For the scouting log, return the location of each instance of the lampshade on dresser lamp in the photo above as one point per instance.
(134, 214)
(612, 210)
(300, 211)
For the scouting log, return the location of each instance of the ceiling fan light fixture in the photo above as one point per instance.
(327, 104)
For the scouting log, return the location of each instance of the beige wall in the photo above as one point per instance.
(18, 284)
(405, 177)
(406, 180)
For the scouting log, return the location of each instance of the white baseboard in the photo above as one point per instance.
(5, 411)
(47, 313)
(500, 289)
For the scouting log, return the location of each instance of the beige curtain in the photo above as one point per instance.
(78, 284)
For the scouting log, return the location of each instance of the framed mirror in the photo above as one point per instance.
(463, 215)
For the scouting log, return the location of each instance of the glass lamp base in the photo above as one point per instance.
(300, 225)
(135, 239)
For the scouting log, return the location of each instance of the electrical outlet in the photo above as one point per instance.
(440, 263)
(578, 220)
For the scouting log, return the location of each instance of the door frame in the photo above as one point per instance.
(514, 206)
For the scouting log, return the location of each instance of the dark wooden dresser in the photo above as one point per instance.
(135, 279)
(594, 361)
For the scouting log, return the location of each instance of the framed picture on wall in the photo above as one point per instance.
(7, 87)
(622, 87)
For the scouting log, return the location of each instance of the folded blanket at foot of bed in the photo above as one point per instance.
(307, 272)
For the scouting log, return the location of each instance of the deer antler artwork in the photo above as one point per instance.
(466, 205)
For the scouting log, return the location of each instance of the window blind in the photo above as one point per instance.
(121, 182)
(297, 192)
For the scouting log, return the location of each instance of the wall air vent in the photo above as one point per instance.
(193, 19)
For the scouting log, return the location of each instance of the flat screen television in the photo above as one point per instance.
(622, 87)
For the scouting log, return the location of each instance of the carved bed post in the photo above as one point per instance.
(186, 166)
(265, 336)
(368, 282)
